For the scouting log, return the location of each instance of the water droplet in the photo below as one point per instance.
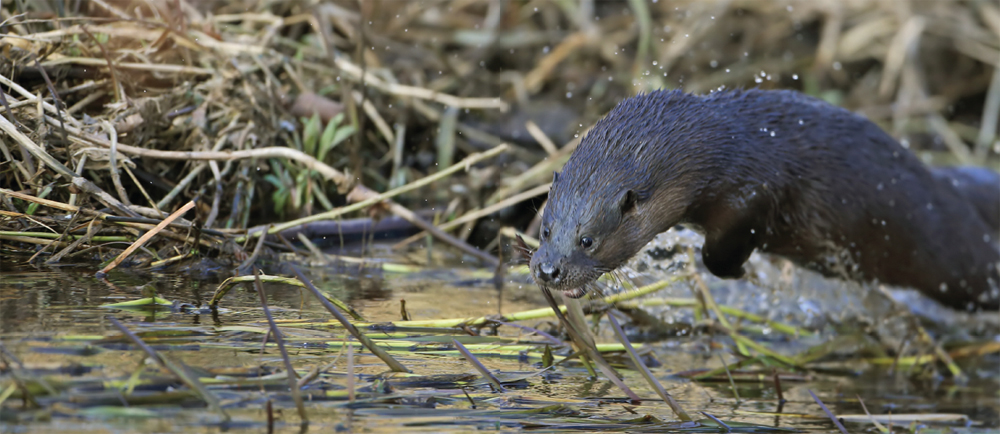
(772, 133)
(545, 49)
(569, 95)
(801, 122)
(905, 143)
(880, 186)
(943, 287)
(714, 63)
(795, 76)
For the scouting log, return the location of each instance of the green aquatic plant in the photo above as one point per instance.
(297, 188)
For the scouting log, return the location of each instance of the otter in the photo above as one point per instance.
(773, 170)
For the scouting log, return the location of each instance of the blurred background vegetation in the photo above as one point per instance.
(391, 91)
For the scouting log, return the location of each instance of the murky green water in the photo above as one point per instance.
(53, 324)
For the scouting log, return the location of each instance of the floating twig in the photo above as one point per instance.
(836, 422)
(479, 366)
(644, 370)
(375, 349)
(177, 369)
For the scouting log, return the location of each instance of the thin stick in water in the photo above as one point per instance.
(280, 341)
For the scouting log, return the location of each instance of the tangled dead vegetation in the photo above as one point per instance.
(116, 114)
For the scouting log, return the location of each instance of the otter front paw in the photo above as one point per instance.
(724, 269)
(725, 259)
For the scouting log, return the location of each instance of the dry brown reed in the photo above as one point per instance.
(122, 111)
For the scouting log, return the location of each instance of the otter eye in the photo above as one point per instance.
(586, 242)
(545, 233)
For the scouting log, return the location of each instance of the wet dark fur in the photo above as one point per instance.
(828, 190)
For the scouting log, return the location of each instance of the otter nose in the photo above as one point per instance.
(548, 273)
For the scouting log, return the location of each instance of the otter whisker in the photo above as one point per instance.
(616, 276)
(594, 288)
(523, 253)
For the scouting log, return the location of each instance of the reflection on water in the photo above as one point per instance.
(52, 322)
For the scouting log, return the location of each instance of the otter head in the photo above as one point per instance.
(578, 239)
(586, 233)
(634, 175)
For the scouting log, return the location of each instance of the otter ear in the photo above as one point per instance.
(555, 177)
(628, 202)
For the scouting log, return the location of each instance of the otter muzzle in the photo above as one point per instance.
(548, 273)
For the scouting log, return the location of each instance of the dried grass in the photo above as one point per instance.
(129, 109)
